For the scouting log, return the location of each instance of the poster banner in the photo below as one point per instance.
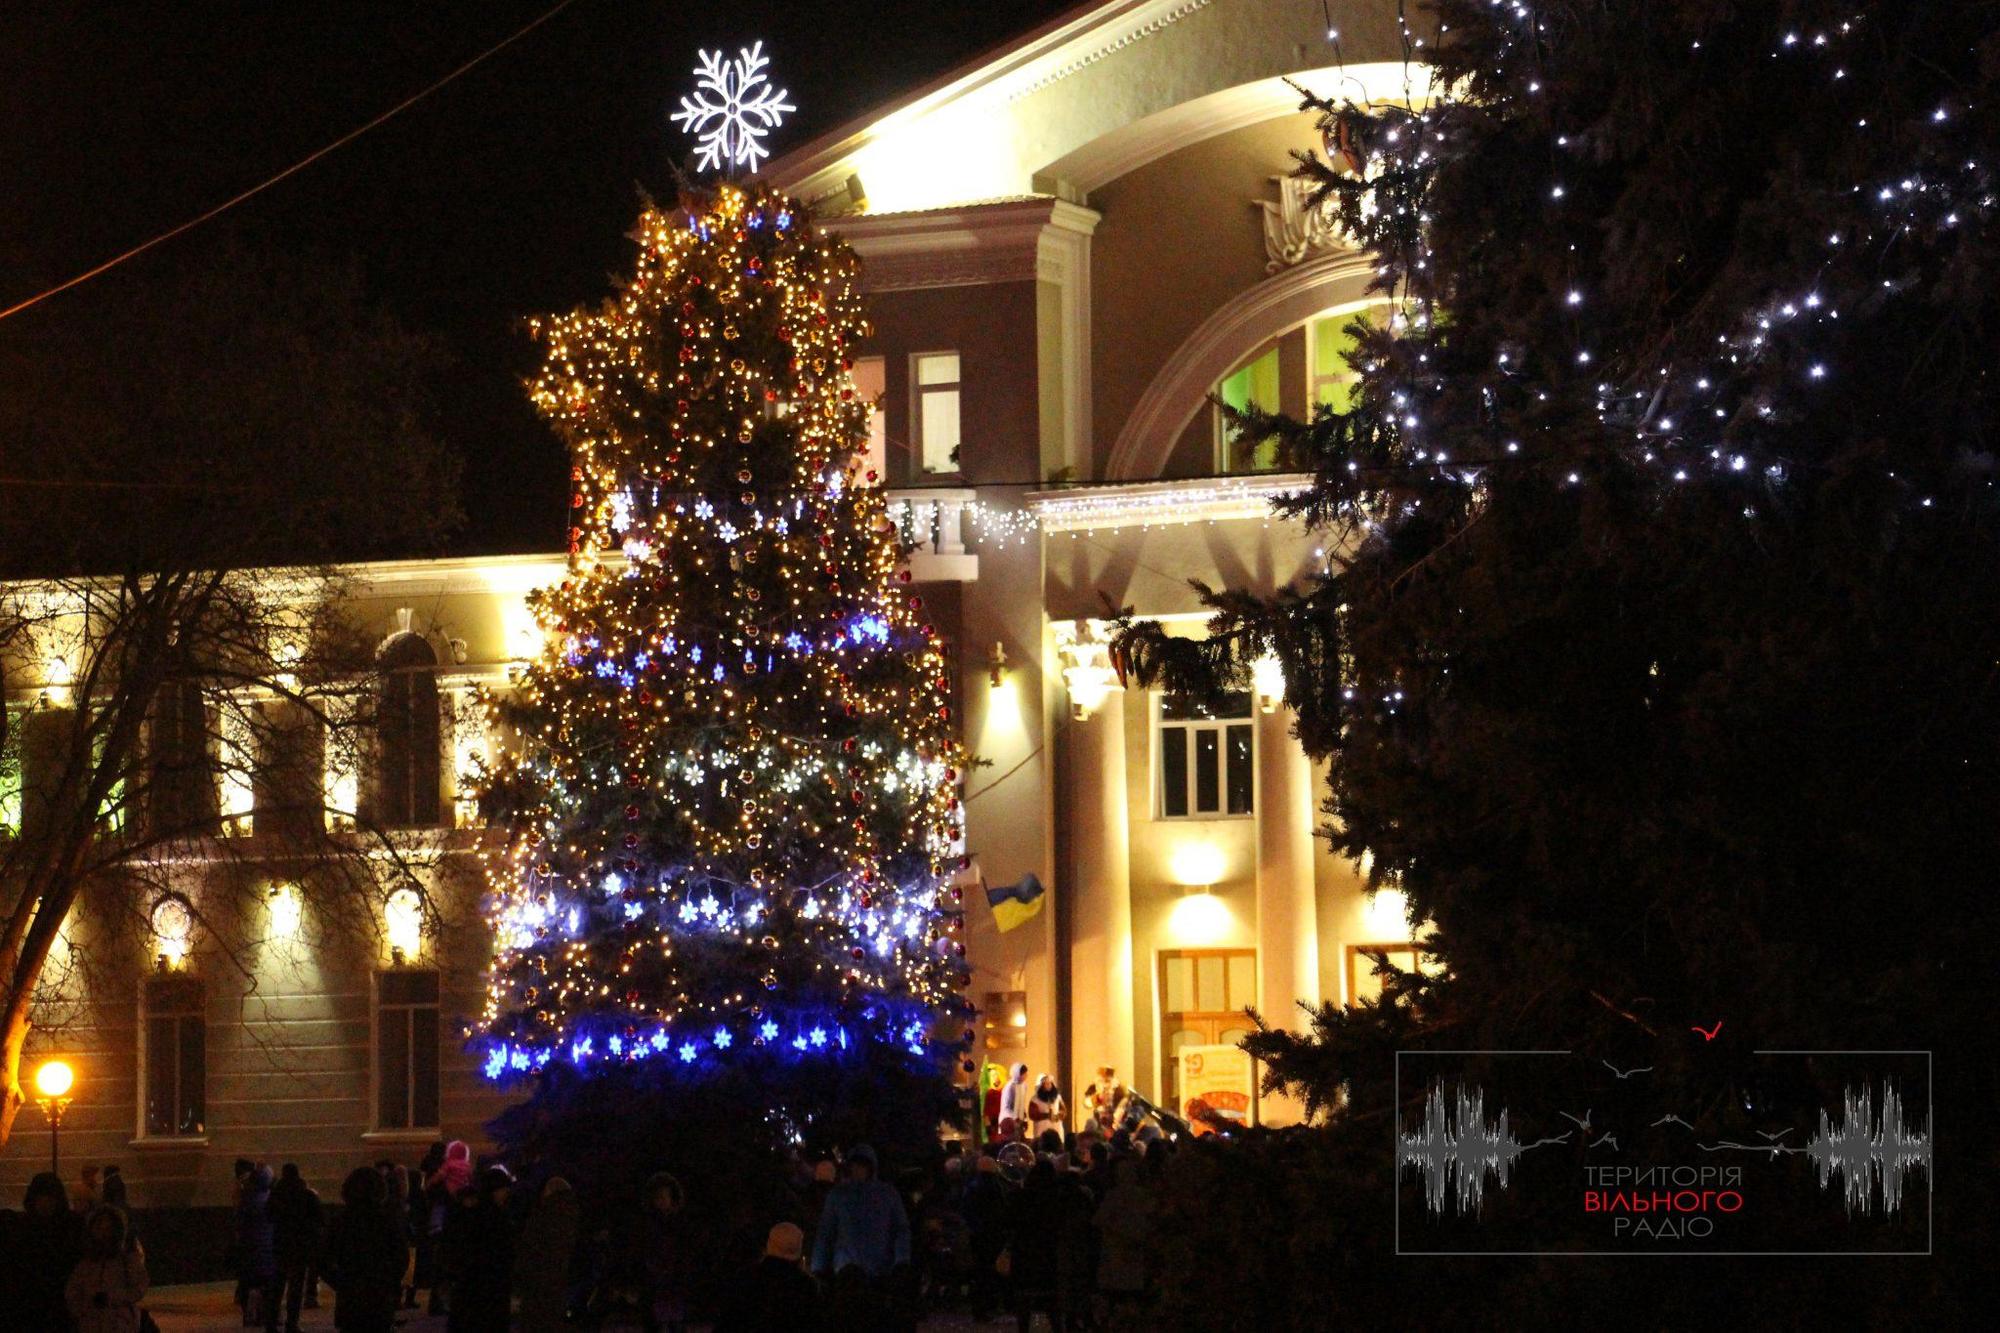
(1216, 1083)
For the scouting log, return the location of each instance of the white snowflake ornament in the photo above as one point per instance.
(733, 108)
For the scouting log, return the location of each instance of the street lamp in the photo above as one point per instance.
(52, 1084)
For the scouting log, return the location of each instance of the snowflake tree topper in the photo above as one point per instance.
(733, 108)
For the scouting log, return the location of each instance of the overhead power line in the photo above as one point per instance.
(292, 170)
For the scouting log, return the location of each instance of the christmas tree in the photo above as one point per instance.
(733, 811)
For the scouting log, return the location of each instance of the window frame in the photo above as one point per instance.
(1341, 373)
(195, 1011)
(919, 391)
(378, 1008)
(1219, 725)
(1225, 445)
(399, 717)
(13, 771)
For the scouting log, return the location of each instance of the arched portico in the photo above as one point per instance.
(1336, 283)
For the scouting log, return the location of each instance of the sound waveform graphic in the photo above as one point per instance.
(1871, 1154)
(1454, 1149)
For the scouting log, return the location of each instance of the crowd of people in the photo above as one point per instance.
(1029, 1219)
(69, 1260)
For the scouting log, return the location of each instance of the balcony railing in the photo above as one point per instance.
(934, 522)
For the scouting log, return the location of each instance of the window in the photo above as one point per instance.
(111, 814)
(409, 772)
(406, 1050)
(10, 773)
(1253, 385)
(1206, 757)
(174, 1058)
(181, 788)
(934, 377)
(870, 378)
(1333, 380)
(1364, 983)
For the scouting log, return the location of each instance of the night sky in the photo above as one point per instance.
(504, 194)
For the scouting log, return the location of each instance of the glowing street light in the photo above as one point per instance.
(53, 1082)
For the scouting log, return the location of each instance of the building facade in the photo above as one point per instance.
(1070, 246)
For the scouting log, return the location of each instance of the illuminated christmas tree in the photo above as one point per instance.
(733, 811)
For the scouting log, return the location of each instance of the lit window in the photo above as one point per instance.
(935, 377)
(870, 379)
(406, 1050)
(403, 922)
(174, 1059)
(1206, 757)
(10, 773)
(409, 774)
(1253, 385)
(181, 787)
(1333, 380)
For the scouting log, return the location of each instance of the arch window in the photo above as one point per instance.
(408, 768)
(1297, 372)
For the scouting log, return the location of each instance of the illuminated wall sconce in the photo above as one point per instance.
(1086, 656)
(1387, 914)
(1004, 1016)
(1267, 680)
(57, 677)
(1198, 865)
(1198, 917)
(403, 924)
(287, 911)
(996, 665)
(286, 657)
(172, 921)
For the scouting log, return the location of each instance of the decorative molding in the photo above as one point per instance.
(1188, 376)
(1111, 47)
(1012, 240)
(1084, 648)
(1295, 228)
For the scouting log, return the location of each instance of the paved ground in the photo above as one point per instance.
(207, 1308)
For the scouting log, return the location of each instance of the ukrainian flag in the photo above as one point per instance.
(1015, 903)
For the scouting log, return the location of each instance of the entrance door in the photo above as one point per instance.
(1203, 993)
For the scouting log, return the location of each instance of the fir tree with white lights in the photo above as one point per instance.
(733, 813)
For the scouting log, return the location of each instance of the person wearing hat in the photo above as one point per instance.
(1014, 1103)
(775, 1295)
(479, 1254)
(864, 1225)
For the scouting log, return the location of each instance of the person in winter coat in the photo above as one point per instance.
(1014, 1104)
(256, 1250)
(1047, 1111)
(109, 1281)
(661, 1265)
(366, 1252)
(542, 1266)
(38, 1247)
(479, 1256)
(1050, 1246)
(451, 1177)
(864, 1225)
(297, 1222)
(1124, 1224)
(775, 1295)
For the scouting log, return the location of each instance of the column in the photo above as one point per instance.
(1100, 885)
(1287, 916)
